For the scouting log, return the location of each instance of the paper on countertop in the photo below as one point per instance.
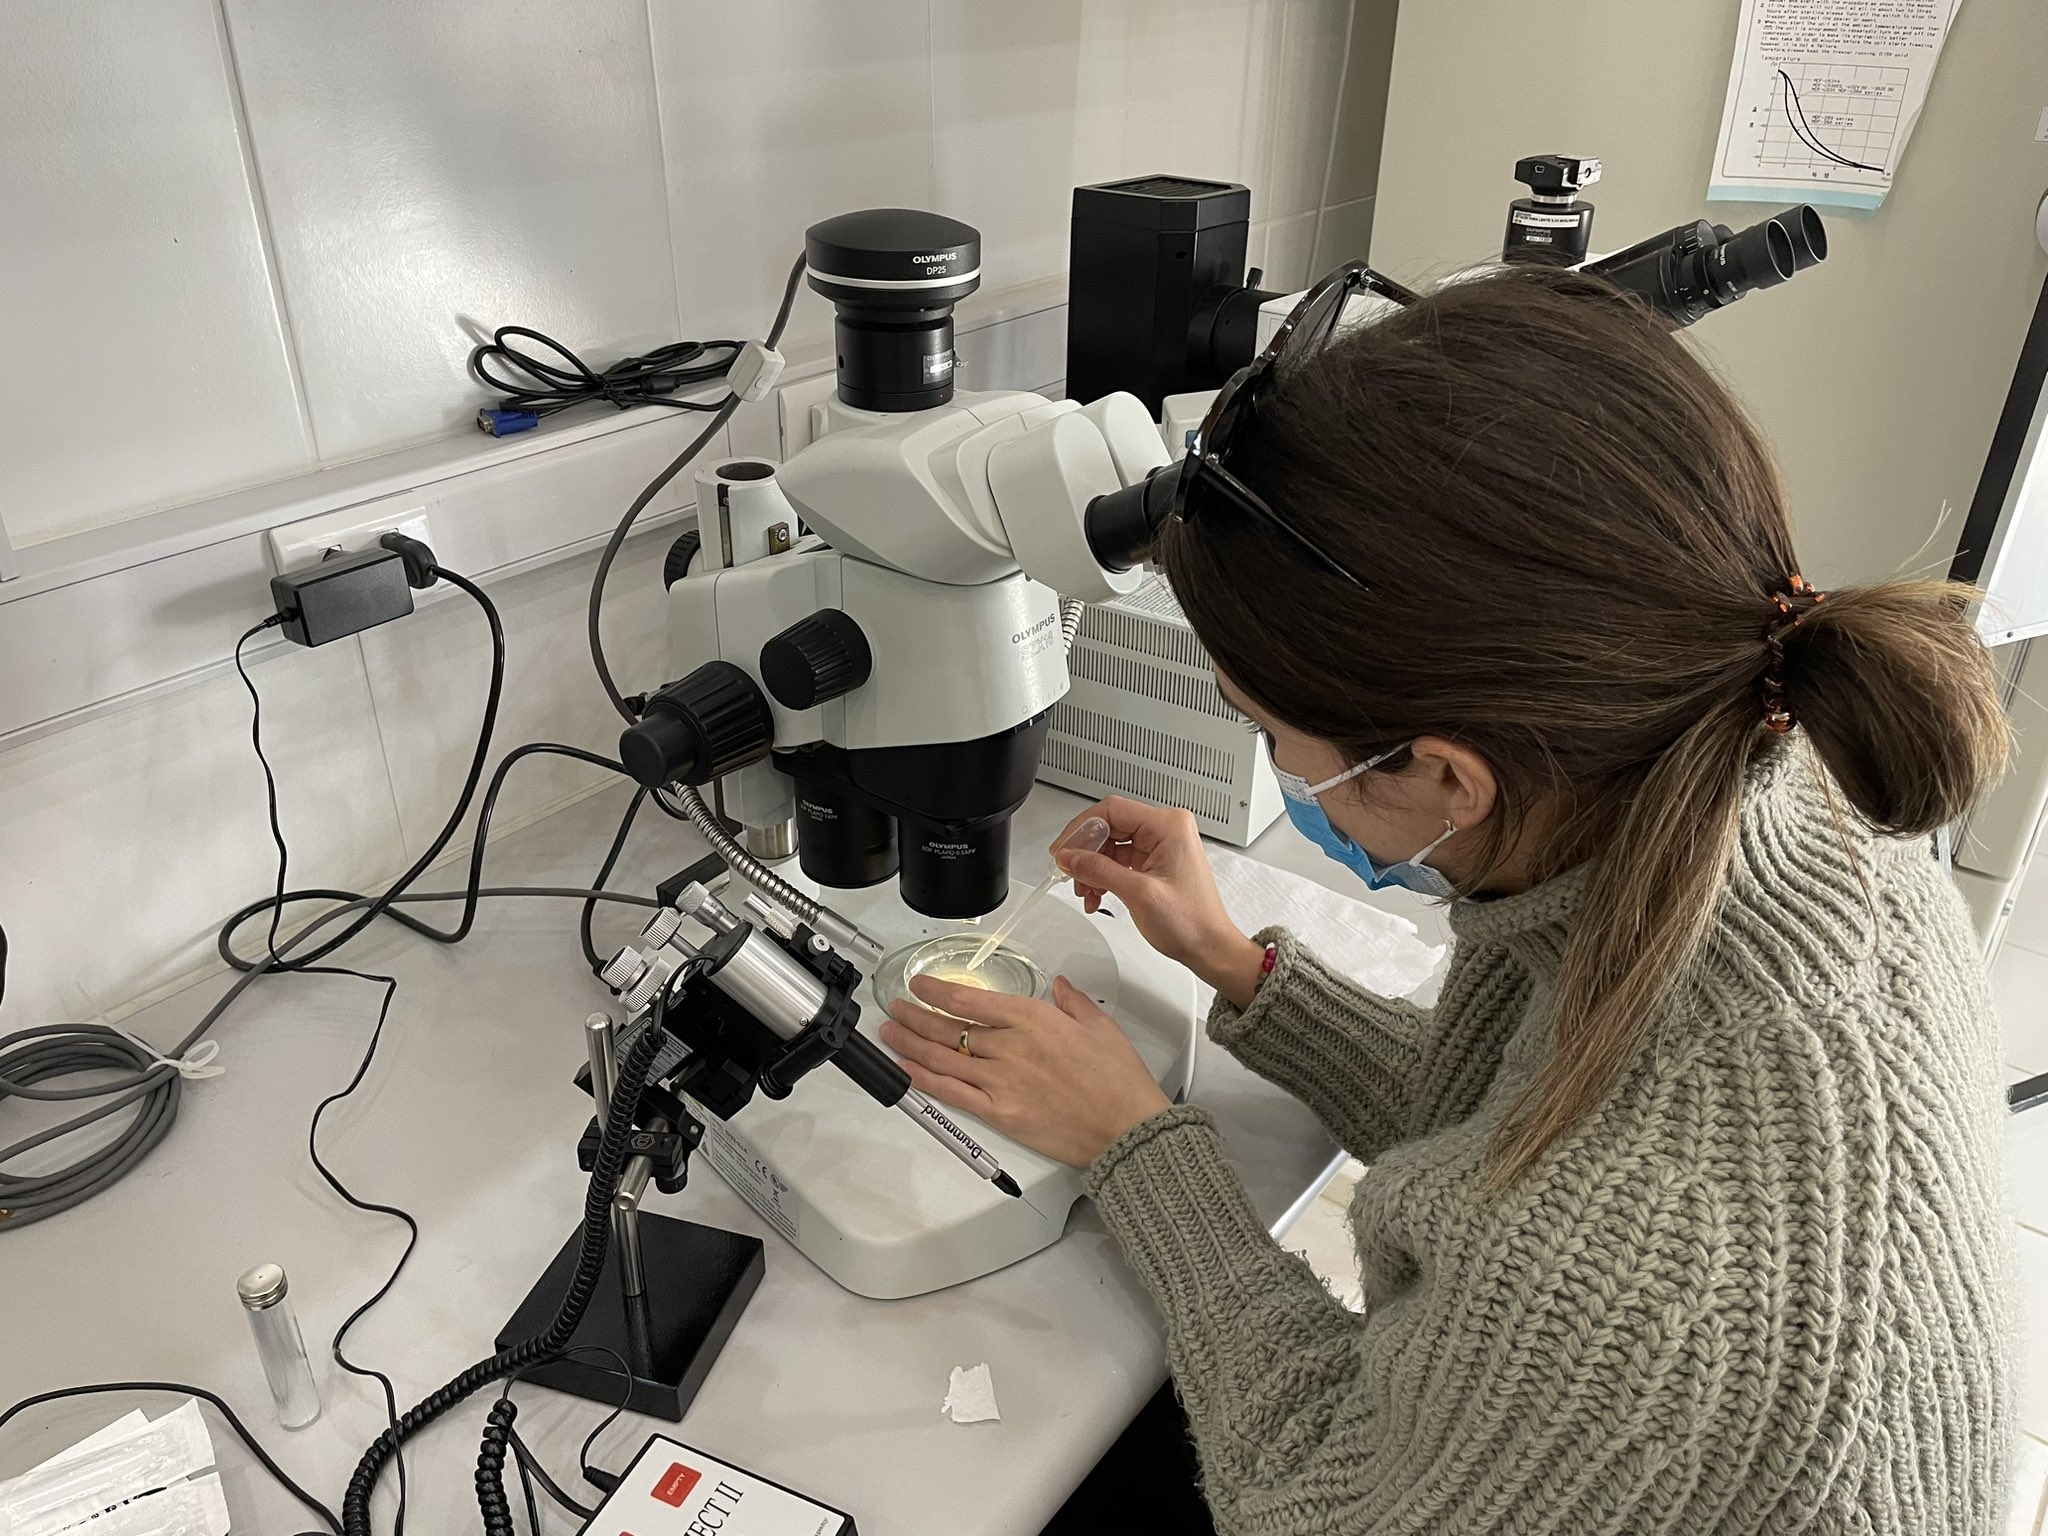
(95, 1480)
(195, 1508)
(1822, 96)
(1379, 950)
(127, 1424)
(971, 1398)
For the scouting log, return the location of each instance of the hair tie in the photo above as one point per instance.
(1788, 608)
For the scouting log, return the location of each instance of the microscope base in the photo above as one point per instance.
(877, 1204)
(699, 1280)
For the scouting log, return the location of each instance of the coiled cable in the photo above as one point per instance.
(496, 1444)
(1071, 610)
(609, 1165)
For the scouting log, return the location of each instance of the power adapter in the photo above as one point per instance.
(341, 597)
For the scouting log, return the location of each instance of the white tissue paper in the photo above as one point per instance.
(971, 1398)
(1380, 950)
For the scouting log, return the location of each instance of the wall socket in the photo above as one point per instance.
(348, 531)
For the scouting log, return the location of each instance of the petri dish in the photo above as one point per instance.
(1012, 969)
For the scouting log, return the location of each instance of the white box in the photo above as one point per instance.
(1144, 718)
(674, 1489)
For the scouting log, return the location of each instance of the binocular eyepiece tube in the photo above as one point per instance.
(1693, 269)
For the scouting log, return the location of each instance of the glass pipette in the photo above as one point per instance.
(1088, 838)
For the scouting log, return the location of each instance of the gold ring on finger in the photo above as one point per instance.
(964, 1048)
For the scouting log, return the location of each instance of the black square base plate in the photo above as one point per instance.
(699, 1280)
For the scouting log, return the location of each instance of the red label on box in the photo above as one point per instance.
(676, 1483)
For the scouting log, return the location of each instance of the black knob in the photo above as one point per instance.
(699, 727)
(815, 659)
(680, 554)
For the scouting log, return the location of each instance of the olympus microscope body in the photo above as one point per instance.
(892, 598)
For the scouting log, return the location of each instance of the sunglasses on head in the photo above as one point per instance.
(1203, 482)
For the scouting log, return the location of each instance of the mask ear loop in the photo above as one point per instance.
(1451, 830)
(1318, 790)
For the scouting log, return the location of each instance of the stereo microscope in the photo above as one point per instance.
(870, 637)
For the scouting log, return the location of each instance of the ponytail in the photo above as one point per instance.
(1900, 699)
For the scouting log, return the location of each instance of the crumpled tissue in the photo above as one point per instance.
(971, 1398)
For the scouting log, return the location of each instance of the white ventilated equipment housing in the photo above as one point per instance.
(1143, 718)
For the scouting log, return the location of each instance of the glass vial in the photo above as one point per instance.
(265, 1294)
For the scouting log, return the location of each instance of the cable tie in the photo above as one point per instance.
(195, 1064)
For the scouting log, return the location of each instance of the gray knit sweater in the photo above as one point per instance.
(1768, 1287)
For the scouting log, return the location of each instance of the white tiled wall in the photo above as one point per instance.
(148, 358)
(423, 165)
(258, 235)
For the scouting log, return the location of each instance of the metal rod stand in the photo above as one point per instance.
(666, 1336)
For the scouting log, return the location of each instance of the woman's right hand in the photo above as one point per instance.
(1154, 863)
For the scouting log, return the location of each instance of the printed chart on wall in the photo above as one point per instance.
(1822, 96)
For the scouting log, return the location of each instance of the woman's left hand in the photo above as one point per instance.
(1059, 1077)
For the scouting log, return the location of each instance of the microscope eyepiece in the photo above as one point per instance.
(1759, 257)
(1121, 525)
(1694, 269)
(893, 276)
(1806, 235)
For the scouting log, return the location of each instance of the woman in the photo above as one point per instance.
(1684, 1210)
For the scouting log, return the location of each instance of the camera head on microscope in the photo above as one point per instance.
(893, 276)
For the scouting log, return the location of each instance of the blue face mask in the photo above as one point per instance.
(1305, 810)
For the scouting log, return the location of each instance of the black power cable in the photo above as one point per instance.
(604, 873)
(640, 502)
(276, 907)
(412, 1226)
(398, 887)
(555, 384)
(390, 986)
(461, 929)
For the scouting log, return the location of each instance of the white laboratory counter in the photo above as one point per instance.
(469, 1120)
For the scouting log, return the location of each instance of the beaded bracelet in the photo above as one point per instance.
(1267, 961)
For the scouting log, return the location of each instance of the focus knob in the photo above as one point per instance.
(677, 563)
(698, 728)
(815, 659)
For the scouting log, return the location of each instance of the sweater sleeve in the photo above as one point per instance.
(1347, 1053)
(1483, 1399)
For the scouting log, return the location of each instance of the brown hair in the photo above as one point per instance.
(1573, 536)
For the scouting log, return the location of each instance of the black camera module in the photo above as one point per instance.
(893, 276)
